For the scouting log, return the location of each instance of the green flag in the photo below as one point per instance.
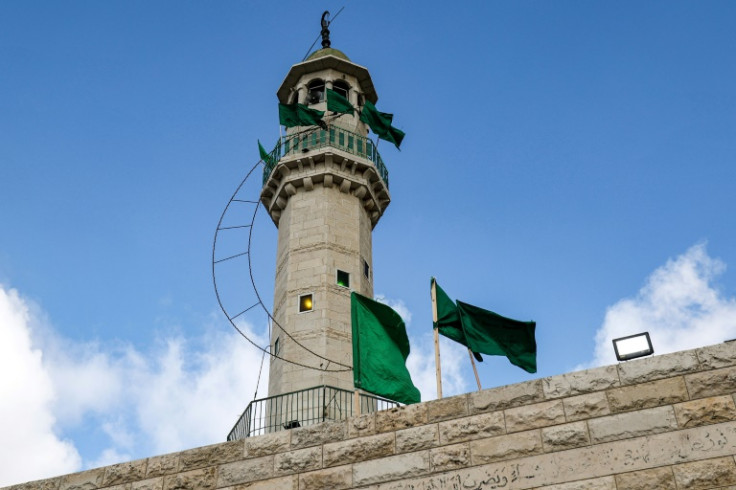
(380, 349)
(291, 115)
(380, 123)
(495, 335)
(487, 332)
(337, 103)
(448, 319)
(264, 154)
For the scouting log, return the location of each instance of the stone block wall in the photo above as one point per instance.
(665, 422)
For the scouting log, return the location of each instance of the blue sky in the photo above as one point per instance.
(566, 162)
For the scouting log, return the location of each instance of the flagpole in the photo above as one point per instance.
(475, 371)
(438, 368)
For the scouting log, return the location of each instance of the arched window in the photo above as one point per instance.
(315, 92)
(341, 87)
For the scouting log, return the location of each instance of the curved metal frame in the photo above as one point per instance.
(230, 318)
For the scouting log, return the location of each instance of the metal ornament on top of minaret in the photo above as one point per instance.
(325, 29)
(325, 192)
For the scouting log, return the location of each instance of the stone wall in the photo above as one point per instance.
(655, 423)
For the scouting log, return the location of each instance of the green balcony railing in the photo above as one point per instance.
(334, 137)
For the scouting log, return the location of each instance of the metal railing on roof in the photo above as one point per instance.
(334, 137)
(302, 408)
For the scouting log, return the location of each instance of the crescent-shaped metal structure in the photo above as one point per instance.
(216, 264)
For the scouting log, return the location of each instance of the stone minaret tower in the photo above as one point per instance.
(325, 193)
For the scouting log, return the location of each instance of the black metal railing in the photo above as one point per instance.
(302, 408)
(335, 137)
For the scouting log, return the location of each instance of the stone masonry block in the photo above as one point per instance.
(658, 367)
(450, 457)
(47, 484)
(705, 411)
(604, 483)
(506, 447)
(362, 425)
(565, 436)
(447, 408)
(586, 406)
(417, 438)
(202, 479)
(710, 473)
(150, 484)
(298, 461)
(391, 468)
(211, 455)
(283, 483)
(655, 479)
(579, 382)
(717, 356)
(711, 383)
(632, 424)
(338, 478)
(267, 444)
(313, 435)
(125, 472)
(647, 395)
(166, 464)
(83, 481)
(245, 471)
(474, 427)
(359, 449)
(506, 397)
(401, 417)
(534, 416)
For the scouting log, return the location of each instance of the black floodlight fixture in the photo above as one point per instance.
(633, 346)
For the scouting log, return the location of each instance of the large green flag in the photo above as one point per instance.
(380, 123)
(337, 103)
(448, 319)
(291, 115)
(495, 335)
(380, 349)
(487, 332)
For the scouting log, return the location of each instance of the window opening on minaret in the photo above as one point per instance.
(276, 346)
(315, 92)
(305, 303)
(341, 88)
(343, 278)
(366, 269)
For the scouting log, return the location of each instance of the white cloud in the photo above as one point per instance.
(421, 365)
(31, 448)
(679, 305)
(183, 393)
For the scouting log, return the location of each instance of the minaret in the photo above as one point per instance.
(325, 194)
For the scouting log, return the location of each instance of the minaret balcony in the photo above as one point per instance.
(334, 137)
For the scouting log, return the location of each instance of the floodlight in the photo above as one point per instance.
(633, 346)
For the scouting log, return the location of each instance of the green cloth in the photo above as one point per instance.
(380, 123)
(291, 115)
(489, 333)
(264, 154)
(495, 335)
(448, 319)
(337, 103)
(380, 349)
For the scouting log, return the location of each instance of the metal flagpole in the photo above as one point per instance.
(436, 341)
(475, 371)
